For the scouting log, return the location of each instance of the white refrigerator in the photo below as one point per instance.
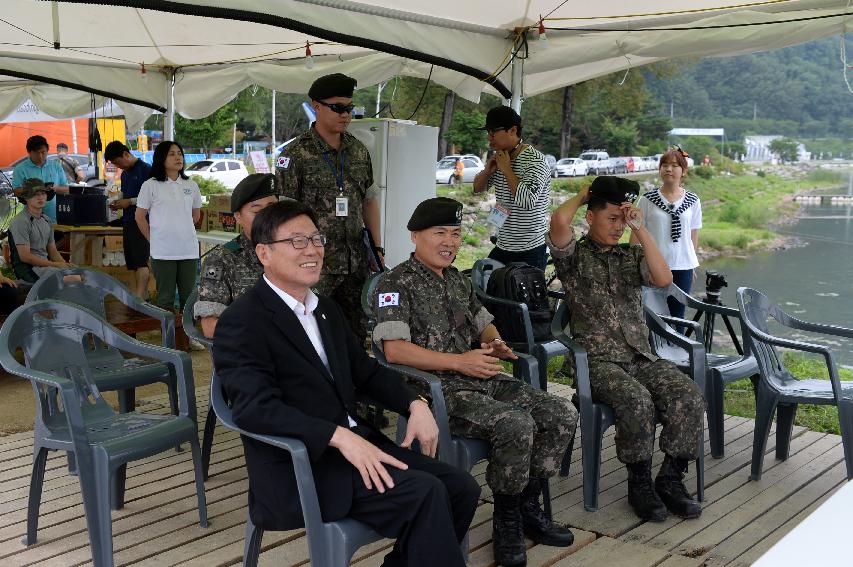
(403, 156)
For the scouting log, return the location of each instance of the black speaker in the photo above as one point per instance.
(80, 210)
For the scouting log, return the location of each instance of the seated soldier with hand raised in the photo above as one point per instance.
(603, 281)
(429, 317)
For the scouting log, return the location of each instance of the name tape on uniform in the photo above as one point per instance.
(389, 299)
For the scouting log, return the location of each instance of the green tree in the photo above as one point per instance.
(620, 137)
(208, 132)
(785, 148)
(463, 131)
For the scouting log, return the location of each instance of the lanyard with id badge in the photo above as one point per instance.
(498, 215)
(341, 201)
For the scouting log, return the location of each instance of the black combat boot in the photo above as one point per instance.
(536, 524)
(641, 493)
(507, 533)
(671, 489)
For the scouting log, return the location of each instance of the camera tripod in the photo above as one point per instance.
(714, 282)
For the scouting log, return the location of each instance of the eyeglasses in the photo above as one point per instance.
(677, 148)
(338, 107)
(300, 242)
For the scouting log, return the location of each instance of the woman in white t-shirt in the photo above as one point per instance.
(673, 217)
(167, 208)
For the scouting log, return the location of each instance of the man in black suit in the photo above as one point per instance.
(291, 366)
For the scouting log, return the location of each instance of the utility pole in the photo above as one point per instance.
(379, 88)
(671, 109)
(754, 111)
(272, 142)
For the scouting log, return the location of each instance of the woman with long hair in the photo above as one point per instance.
(674, 216)
(167, 208)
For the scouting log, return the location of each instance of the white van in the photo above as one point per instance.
(597, 161)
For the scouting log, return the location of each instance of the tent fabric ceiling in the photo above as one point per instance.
(216, 48)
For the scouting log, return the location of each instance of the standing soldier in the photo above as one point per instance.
(233, 268)
(603, 280)
(329, 170)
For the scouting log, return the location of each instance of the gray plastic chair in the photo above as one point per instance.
(330, 544)
(72, 416)
(596, 418)
(721, 368)
(194, 333)
(543, 351)
(113, 372)
(461, 452)
(779, 391)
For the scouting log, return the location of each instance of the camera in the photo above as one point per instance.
(714, 282)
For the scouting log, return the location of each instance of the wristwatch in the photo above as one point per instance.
(379, 249)
(422, 399)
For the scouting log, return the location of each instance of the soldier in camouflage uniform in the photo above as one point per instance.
(603, 281)
(429, 317)
(233, 268)
(329, 170)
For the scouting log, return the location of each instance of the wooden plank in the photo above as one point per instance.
(608, 552)
(544, 555)
(773, 519)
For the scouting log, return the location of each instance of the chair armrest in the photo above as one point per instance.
(179, 360)
(188, 323)
(697, 328)
(557, 294)
(695, 350)
(526, 368)
(525, 313)
(833, 330)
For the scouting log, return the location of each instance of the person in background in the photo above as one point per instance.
(74, 172)
(168, 206)
(329, 169)
(37, 166)
(134, 172)
(673, 218)
(522, 181)
(32, 233)
(458, 172)
(232, 269)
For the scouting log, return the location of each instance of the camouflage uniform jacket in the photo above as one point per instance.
(439, 314)
(604, 290)
(304, 171)
(228, 271)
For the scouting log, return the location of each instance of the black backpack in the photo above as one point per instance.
(525, 284)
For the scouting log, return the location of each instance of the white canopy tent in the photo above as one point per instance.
(193, 56)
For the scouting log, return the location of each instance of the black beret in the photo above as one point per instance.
(615, 190)
(438, 211)
(501, 117)
(328, 86)
(255, 186)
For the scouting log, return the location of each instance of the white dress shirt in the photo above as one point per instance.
(305, 314)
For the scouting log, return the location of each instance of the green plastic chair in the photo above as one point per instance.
(72, 416)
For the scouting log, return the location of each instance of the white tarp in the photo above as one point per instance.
(216, 48)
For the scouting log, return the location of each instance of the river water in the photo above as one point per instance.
(813, 282)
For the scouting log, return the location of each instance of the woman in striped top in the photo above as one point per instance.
(522, 181)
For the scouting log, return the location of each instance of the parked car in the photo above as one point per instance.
(82, 159)
(619, 165)
(228, 171)
(445, 167)
(597, 161)
(570, 167)
(639, 164)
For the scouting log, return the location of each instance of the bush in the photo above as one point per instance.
(210, 186)
(760, 173)
(704, 171)
(824, 176)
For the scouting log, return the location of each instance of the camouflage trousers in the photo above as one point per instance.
(641, 392)
(345, 290)
(528, 430)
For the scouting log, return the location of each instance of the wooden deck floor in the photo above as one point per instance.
(159, 524)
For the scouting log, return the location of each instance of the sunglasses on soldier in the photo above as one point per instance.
(338, 107)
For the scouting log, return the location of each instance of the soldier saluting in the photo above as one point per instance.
(328, 169)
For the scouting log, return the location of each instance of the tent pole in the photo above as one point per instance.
(272, 142)
(169, 115)
(517, 83)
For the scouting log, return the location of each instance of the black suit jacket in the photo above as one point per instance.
(277, 385)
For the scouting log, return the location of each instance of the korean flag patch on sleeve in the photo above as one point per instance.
(283, 162)
(389, 299)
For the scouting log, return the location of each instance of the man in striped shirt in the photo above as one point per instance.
(522, 181)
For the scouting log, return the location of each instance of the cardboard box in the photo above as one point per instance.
(113, 243)
(220, 202)
(202, 222)
(221, 220)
